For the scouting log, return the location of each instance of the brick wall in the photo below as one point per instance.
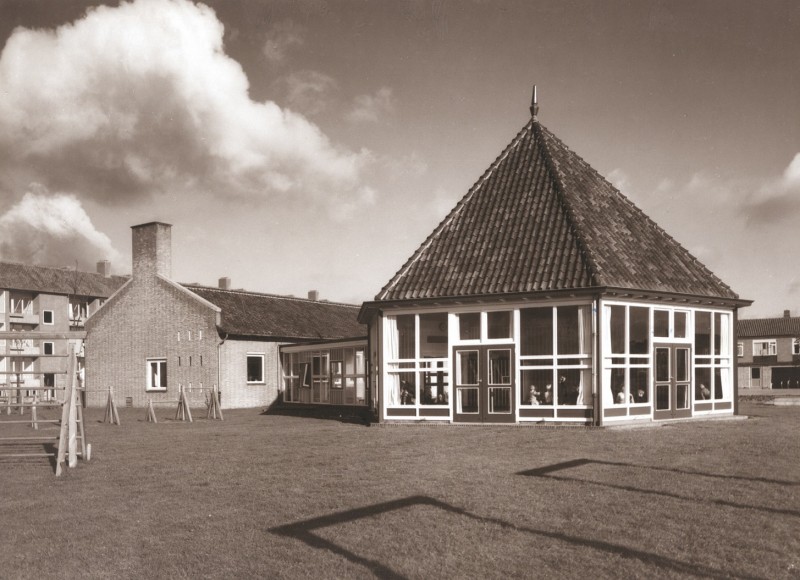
(142, 322)
(236, 392)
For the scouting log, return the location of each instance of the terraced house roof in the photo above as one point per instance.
(44, 279)
(253, 314)
(541, 219)
(768, 327)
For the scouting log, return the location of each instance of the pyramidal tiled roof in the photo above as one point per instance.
(541, 219)
(269, 315)
(30, 278)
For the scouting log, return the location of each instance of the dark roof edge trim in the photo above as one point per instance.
(369, 308)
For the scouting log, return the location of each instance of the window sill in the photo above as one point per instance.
(155, 390)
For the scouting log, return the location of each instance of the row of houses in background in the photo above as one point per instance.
(544, 295)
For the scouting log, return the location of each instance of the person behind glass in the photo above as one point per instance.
(548, 394)
(621, 397)
(705, 392)
(567, 393)
(535, 395)
(406, 398)
(641, 396)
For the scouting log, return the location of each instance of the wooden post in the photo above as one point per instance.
(111, 415)
(151, 414)
(34, 422)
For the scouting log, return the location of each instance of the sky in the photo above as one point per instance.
(299, 145)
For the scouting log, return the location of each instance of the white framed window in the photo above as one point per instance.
(48, 347)
(765, 347)
(255, 368)
(48, 317)
(796, 346)
(739, 349)
(157, 374)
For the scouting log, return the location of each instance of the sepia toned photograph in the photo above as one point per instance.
(399, 289)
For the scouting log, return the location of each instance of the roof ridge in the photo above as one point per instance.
(269, 295)
(68, 269)
(452, 213)
(585, 252)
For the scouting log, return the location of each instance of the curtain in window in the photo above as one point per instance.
(608, 397)
(725, 382)
(725, 334)
(392, 353)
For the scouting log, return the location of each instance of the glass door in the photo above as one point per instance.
(484, 384)
(672, 372)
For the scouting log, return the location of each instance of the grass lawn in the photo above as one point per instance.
(284, 497)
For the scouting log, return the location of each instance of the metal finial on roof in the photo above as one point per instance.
(534, 104)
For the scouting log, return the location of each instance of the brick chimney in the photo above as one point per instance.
(225, 283)
(787, 314)
(152, 250)
(104, 268)
(313, 295)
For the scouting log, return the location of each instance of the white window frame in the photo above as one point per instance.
(52, 347)
(740, 349)
(796, 346)
(772, 347)
(52, 317)
(161, 367)
(263, 368)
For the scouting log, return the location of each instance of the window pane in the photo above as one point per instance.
(433, 335)
(499, 367)
(405, 335)
(435, 387)
(569, 383)
(702, 333)
(255, 369)
(467, 367)
(500, 400)
(718, 386)
(661, 323)
(618, 386)
(617, 323)
(662, 364)
(536, 327)
(467, 400)
(639, 329)
(568, 330)
(408, 388)
(702, 384)
(469, 326)
(680, 325)
(662, 397)
(349, 369)
(682, 364)
(499, 324)
(537, 387)
(640, 385)
(717, 331)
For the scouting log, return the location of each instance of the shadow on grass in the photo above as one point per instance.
(548, 470)
(304, 532)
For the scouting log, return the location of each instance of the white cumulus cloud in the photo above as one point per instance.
(52, 230)
(373, 108)
(141, 100)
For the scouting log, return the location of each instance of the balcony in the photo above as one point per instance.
(23, 317)
(22, 347)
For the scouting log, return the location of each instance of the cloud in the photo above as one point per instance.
(778, 199)
(52, 230)
(373, 108)
(619, 179)
(281, 39)
(307, 91)
(141, 100)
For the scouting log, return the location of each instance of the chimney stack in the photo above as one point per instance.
(313, 295)
(152, 250)
(225, 283)
(787, 314)
(104, 268)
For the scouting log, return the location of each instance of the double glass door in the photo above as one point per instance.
(484, 384)
(672, 373)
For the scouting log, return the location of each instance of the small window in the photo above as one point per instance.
(765, 347)
(199, 335)
(739, 349)
(47, 317)
(755, 373)
(661, 323)
(499, 324)
(157, 375)
(255, 368)
(48, 348)
(469, 326)
(796, 346)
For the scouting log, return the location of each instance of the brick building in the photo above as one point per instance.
(155, 335)
(42, 313)
(768, 350)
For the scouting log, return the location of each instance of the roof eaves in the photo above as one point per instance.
(188, 292)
